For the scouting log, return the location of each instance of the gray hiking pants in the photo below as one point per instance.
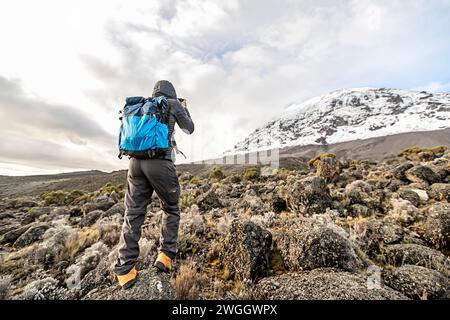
(144, 177)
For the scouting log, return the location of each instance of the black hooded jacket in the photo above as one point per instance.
(178, 114)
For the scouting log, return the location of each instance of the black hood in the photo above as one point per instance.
(164, 88)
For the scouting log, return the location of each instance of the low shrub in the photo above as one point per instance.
(314, 161)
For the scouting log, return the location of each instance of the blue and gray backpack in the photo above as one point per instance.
(144, 132)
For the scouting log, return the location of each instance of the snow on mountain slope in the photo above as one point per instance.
(352, 114)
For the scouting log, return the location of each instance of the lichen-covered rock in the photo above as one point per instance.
(91, 257)
(277, 204)
(322, 284)
(441, 191)
(101, 203)
(100, 279)
(193, 223)
(114, 196)
(372, 235)
(421, 173)
(253, 203)
(208, 201)
(90, 218)
(401, 254)
(437, 226)
(400, 170)
(347, 177)
(34, 233)
(60, 211)
(404, 212)
(417, 282)
(328, 168)
(363, 193)
(246, 250)
(12, 235)
(410, 195)
(265, 221)
(357, 191)
(306, 244)
(35, 213)
(5, 283)
(103, 279)
(118, 208)
(43, 289)
(150, 285)
(6, 215)
(309, 196)
(75, 212)
(53, 242)
(5, 228)
(358, 210)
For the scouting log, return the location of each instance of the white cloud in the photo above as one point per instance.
(238, 63)
(434, 87)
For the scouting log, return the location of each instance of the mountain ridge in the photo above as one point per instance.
(351, 114)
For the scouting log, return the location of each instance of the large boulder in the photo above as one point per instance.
(437, 225)
(421, 174)
(246, 250)
(309, 195)
(101, 279)
(33, 234)
(417, 282)
(208, 201)
(90, 258)
(308, 244)
(151, 284)
(47, 253)
(322, 284)
(414, 254)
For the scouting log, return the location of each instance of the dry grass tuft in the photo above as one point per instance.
(187, 282)
(77, 242)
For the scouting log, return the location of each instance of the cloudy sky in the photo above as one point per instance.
(66, 67)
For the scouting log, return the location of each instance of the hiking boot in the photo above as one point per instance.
(128, 280)
(163, 262)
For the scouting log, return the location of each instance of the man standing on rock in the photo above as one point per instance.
(157, 173)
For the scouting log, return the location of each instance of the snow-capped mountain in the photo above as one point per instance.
(352, 114)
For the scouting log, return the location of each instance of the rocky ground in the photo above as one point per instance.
(342, 229)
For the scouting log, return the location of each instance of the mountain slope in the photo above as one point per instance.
(353, 114)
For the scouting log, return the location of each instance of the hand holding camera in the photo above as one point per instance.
(182, 102)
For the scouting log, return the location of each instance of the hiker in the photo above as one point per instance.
(148, 172)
